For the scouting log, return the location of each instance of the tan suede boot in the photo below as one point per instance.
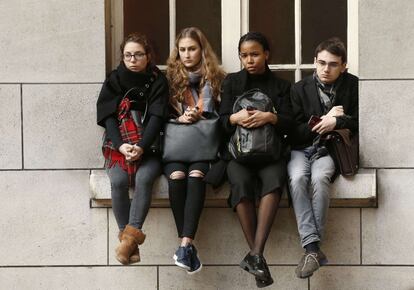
(130, 239)
(135, 257)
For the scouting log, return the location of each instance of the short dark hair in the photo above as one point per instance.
(255, 36)
(333, 45)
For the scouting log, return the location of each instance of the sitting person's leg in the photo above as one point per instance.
(265, 217)
(299, 171)
(242, 198)
(129, 236)
(177, 192)
(322, 170)
(186, 255)
(119, 194)
(149, 170)
(272, 179)
(196, 193)
(299, 176)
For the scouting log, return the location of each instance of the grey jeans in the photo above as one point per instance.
(309, 184)
(135, 212)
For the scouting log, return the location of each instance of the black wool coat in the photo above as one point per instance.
(235, 84)
(305, 102)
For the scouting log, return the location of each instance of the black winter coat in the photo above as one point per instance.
(305, 102)
(235, 84)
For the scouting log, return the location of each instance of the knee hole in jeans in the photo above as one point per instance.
(177, 175)
(196, 173)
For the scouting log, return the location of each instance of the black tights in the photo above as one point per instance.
(187, 194)
(256, 226)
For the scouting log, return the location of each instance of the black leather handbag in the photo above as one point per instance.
(194, 142)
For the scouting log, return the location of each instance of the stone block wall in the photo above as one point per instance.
(52, 67)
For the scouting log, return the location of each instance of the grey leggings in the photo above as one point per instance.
(135, 212)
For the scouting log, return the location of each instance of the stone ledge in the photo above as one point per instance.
(357, 191)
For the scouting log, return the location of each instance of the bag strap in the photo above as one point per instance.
(344, 134)
(247, 93)
(142, 93)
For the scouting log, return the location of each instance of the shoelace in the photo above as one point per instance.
(310, 256)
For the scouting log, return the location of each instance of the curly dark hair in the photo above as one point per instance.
(138, 38)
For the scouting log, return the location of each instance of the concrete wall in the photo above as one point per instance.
(52, 66)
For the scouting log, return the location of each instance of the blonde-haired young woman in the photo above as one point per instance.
(195, 77)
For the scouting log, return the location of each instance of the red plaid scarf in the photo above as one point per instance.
(131, 133)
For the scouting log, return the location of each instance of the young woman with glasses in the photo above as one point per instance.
(132, 106)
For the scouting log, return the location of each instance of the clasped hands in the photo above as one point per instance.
(131, 152)
(252, 118)
(328, 122)
(190, 115)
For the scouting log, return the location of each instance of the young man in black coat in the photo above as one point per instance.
(330, 98)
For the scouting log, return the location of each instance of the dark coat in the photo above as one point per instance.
(120, 80)
(235, 84)
(305, 102)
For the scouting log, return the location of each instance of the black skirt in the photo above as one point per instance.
(253, 181)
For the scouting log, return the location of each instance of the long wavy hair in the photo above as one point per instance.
(177, 74)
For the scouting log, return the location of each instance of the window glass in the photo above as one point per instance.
(322, 19)
(288, 75)
(205, 15)
(152, 19)
(307, 72)
(276, 20)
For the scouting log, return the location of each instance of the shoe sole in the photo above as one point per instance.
(246, 268)
(262, 284)
(181, 265)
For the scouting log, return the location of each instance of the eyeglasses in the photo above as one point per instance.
(329, 64)
(137, 56)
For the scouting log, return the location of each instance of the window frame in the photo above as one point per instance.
(233, 26)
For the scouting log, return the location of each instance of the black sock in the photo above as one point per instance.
(312, 247)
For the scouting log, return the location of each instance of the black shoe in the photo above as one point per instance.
(195, 262)
(263, 283)
(254, 265)
(182, 257)
(268, 280)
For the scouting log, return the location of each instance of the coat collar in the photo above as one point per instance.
(312, 93)
(244, 76)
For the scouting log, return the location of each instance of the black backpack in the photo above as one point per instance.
(255, 145)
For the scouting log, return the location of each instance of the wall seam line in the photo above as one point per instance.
(21, 123)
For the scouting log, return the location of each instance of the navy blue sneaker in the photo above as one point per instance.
(182, 257)
(195, 262)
